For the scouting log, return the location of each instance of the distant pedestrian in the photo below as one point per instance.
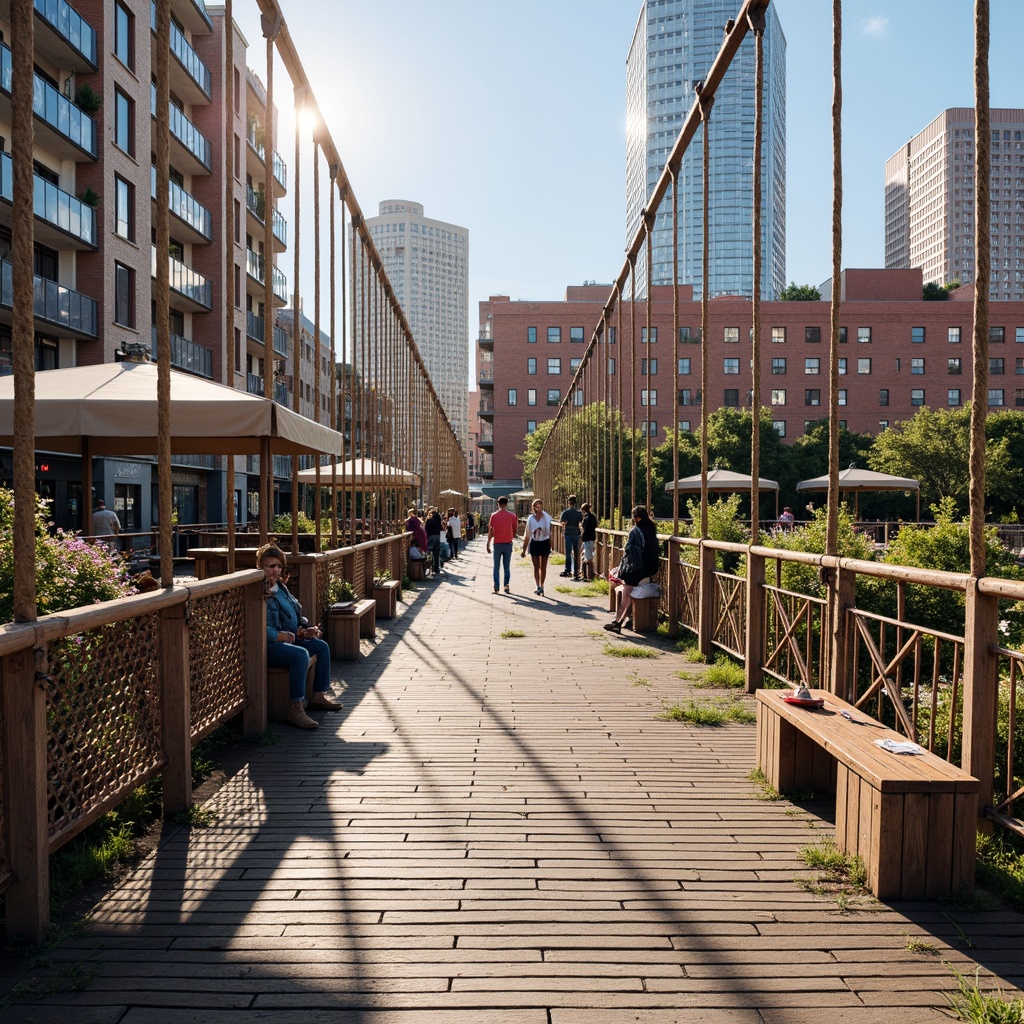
(640, 560)
(414, 526)
(537, 538)
(454, 529)
(588, 538)
(434, 526)
(502, 528)
(104, 522)
(787, 518)
(572, 518)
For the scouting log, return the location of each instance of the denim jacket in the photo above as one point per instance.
(284, 613)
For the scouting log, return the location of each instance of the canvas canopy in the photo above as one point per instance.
(362, 473)
(721, 480)
(858, 480)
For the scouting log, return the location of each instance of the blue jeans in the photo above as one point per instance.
(572, 554)
(502, 553)
(434, 548)
(295, 658)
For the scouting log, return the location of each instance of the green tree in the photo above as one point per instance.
(1004, 467)
(800, 293)
(933, 292)
(533, 444)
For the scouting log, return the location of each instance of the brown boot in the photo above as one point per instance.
(322, 702)
(298, 717)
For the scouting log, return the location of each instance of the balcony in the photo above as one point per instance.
(188, 356)
(73, 314)
(188, 285)
(254, 135)
(254, 327)
(486, 341)
(254, 264)
(190, 77)
(194, 223)
(485, 374)
(256, 204)
(190, 149)
(62, 127)
(192, 14)
(486, 466)
(62, 35)
(62, 221)
(486, 403)
(254, 384)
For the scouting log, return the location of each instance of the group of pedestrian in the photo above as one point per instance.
(427, 532)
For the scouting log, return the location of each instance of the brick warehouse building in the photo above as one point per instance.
(898, 353)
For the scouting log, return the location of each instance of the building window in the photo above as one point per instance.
(1018, 366)
(554, 366)
(780, 427)
(1018, 396)
(883, 396)
(995, 397)
(577, 397)
(643, 335)
(953, 396)
(812, 335)
(684, 367)
(842, 366)
(864, 366)
(611, 335)
(554, 335)
(124, 122)
(124, 295)
(649, 397)
(917, 396)
(917, 366)
(576, 334)
(554, 396)
(731, 334)
(954, 335)
(124, 36)
(611, 366)
(842, 396)
(842, 335)
(688, 397)
(731, 399)
(883, 424)
(649, 428)
(574, 365)
(864, 335)
(917, 335)
(778, 335)
(531, 335)
(531, 396)
(124, 208)
(531, 366)
(812, 396)
(812, 366)
(684, 425)
(779, 365)
(731, 366)
(778, 396)
(1019, 335)
(995, 367)
(954, 366)
(513, 396)
(531, 426)
(686, 338)
(996, 335)
(648, 367)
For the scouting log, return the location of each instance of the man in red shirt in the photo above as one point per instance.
(502, 528)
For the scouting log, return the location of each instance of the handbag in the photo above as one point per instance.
(613, 575)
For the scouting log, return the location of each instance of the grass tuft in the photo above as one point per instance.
(836, 866)
(922, 948)
(631, 651)
(725, 674)
(765, 790)
(1001, 866)
(690, 651)
(638, 680)
(511, 634)
(708, 714)
(969, 1003)
(197, 817)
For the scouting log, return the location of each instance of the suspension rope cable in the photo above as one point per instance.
(705, 286)
(675, 352)
(832, 513)
(757, 24)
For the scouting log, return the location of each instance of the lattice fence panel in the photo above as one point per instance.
(5, 867)
(216, 659)
(103, 719)
(359, 575)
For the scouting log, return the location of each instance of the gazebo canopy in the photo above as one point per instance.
(721, 480)
(858, 480)
(362, 473)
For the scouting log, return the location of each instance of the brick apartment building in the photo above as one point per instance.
(898, 353)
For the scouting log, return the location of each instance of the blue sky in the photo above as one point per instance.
(509, 119)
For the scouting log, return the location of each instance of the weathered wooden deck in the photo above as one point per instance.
(502, 830)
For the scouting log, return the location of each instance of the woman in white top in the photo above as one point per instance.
(537, 537)
(454, 527)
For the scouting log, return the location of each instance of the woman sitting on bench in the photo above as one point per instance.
(640, 560)
(291, 641)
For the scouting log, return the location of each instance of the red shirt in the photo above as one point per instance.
(503, 526)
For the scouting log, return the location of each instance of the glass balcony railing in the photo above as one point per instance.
(253, 384)
(185, 132)
(50, 106)
(282, 395)
(52, 302)
(254, 268)
(256, 203)
(487, 404)
(486, 371)
(187, 282)
(52, 204)
(187, 355)
(254, 326)
(200, 6)
(70, 25)
(185, 207)
(252, 134)
(182, 49)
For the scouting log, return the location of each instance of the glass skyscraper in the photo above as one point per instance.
(674, 45)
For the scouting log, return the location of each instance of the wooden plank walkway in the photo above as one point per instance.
(503, 830)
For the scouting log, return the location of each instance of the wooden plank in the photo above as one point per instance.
(918, 844)
(175, 710)
(940, 841)
(847, 786)
(885, 844)
(965, 825)
(870, 806)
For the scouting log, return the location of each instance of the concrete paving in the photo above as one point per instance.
(504, 829)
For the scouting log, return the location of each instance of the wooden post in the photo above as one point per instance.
(674, 582)
(254, 717)
(754, 651)
(705, 626)
(305, 588)
(176, 709)
(24, 724)
(842, 597)
(981, 689)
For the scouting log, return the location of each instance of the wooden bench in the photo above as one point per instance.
(345, 628)
(386, 596)
(911, 818)
(278, 690)
(644, 611)
(415, 568)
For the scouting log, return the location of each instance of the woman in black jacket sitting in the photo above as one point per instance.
(640, 559)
